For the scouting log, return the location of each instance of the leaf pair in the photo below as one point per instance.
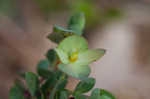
(86, 85)
(76, 25)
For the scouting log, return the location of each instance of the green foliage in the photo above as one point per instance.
(104, 93)
(77, 23)
(43, 69)
(17, 91)
(49, 83)
(60, 84)
(32, 82)
(52, 57)
(59, 33)
(95, 94)
(84, 86)
(70, 58)
(101, 94)
(64, 94)
(80, 97)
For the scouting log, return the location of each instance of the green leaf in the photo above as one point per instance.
(59, 33)
(95, 94)
(60, 85)
(17, 91)
(64, 94)
(77, 23)
(101, 94)
(43, 69)
(76, 71)
(106, 93)
(52, 57)
(49, 84)
(56, 37)
(105, 97)
(54, 83)
(32, 82)
(80, 97)
(84, 86)
(59, 74)
(51, 81)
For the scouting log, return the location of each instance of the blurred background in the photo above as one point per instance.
(122, 27)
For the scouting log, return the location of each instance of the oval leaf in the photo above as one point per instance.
(95, 94)
(52, 57)
(43, 69)
(32, 82)
(84, 86)
(77, 23)
(59, 33)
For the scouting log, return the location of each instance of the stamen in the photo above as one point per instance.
(73, 57)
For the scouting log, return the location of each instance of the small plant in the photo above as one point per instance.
(70, 58)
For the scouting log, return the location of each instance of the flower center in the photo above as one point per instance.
(73, 57)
